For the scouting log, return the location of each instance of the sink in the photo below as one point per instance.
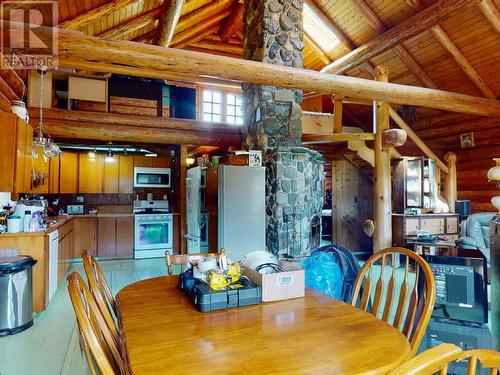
(51, 222)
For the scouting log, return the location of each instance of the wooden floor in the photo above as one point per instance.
(51, 346)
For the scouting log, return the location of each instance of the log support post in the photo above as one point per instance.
(382, 191)
(337, 115)
(450, 186)
(183, 227)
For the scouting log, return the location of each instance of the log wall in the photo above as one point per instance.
(472, 163)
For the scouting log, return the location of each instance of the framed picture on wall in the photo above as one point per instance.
(467, 140)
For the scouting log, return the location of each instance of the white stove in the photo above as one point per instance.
(153, 229)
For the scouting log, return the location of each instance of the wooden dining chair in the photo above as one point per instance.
(443, 359)
(102, 293)
(101, 351)
(183, 259)
(417, 291)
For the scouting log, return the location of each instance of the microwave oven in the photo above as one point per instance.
(152, 177)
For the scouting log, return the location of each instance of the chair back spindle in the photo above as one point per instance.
(402, 296)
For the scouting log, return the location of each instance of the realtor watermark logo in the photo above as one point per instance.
(24, 31)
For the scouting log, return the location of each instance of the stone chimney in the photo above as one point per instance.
(273, 32)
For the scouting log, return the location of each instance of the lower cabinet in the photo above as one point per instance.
(66, 249)
(85, 229)
(115, 237)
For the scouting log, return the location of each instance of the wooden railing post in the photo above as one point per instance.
(337, 115)
(382, 237)
(450, 186)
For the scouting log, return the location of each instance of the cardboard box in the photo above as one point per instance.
(280, 285)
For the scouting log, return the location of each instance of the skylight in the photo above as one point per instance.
(322, 35)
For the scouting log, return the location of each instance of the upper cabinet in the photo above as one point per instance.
(68, 172)
(90, 173)
(15, 155)
(126, 175)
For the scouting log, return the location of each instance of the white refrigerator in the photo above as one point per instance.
(196, 218)
(241, 210)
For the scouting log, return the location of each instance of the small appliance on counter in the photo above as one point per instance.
(153, 229)
(75, 209)
(25, 209)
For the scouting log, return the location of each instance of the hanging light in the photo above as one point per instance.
(109, 155)
(494, 176)
(43, 143)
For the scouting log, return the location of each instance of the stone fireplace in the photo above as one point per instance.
(294, 175)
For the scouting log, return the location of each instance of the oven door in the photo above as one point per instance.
(153, 232)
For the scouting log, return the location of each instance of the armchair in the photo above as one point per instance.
(475, 232)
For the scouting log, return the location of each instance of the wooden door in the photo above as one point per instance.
(161, 162)
(85, 236)
(125, 237)
(106, 237)
(54, 175)
(111, 173)
(68, 172)
(126, 175)
(90, 173)
(143, 161)
(8, 150)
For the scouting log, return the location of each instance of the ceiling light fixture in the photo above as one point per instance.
(43, 143)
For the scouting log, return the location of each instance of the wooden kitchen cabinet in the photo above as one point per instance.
(124, 237)
(54, 175)
(115, 237)
(111, 175)
(90, 173)
(68, 172)
(126, 175)
(143, 161)
(106, 237)
(66, 249)
(161, 162)
(15, 155)
(85, 229)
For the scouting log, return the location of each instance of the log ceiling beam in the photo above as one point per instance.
(131, 128)
(96, 14)
(462, 62)
(73, 45)
(233, 23)
(168, 22)
(405, 56)
(219, 46)
(405, 30)
(132, 24)
(308, 139)
(491, 12)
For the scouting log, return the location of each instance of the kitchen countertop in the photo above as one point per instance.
(63, 219)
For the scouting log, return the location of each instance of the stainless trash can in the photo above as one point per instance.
(15, 294)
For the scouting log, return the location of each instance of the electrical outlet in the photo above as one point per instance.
(80, 199)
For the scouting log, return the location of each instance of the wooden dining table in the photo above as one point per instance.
(166, 334)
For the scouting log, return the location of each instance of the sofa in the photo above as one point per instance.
(475, 233)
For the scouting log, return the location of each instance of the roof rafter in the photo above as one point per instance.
(462, 62)
(168, 22)
(133, 24)
(491, 12)
(405, 30)
(233, 23)
(186, 37)
(96, 13)
(399, 49)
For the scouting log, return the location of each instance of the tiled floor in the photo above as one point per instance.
(51, 346)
